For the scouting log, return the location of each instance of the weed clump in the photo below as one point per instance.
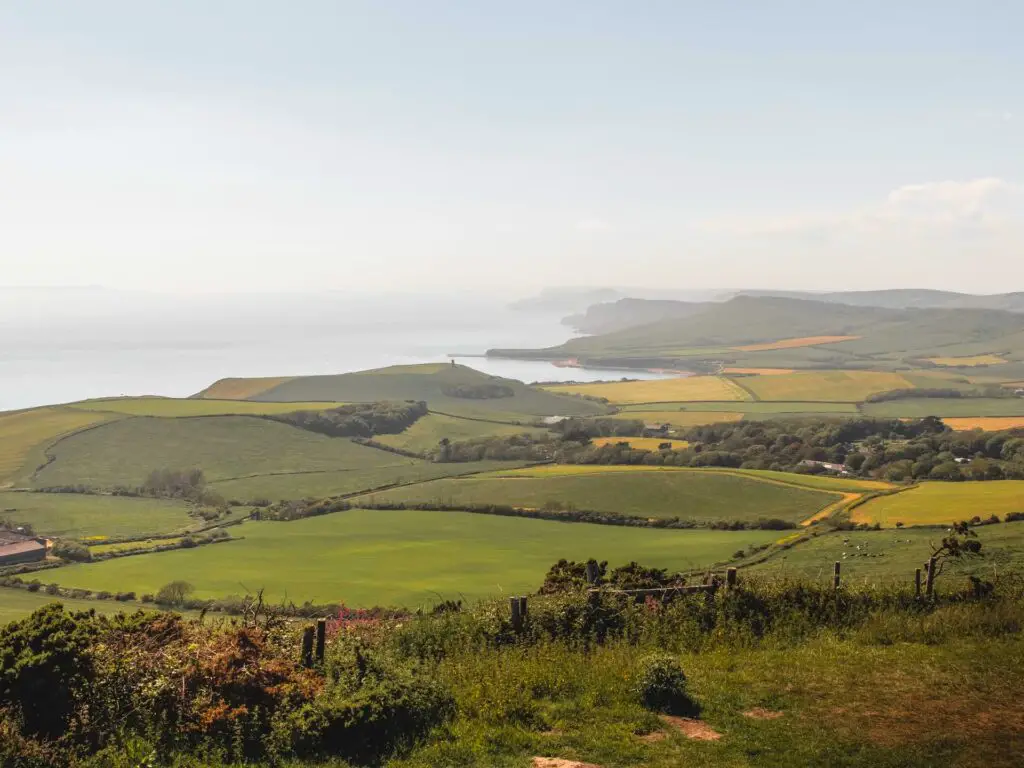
(660, 685)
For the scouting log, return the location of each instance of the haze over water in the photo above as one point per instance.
(59, 347)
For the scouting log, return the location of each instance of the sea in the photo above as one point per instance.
(58, 347)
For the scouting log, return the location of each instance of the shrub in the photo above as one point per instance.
(1012, 517)
(68, 549)
(173, 593)
(660, 685)
(104, 595)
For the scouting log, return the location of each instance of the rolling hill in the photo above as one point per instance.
(445, 388)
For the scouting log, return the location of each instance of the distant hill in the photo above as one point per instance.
(906, 298)
(716, 331)
(627, 313)
(446, 388)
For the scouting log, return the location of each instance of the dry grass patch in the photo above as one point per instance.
(966, 362)
(802, 341)
(683, 389)
(682, 418)
(242, 389)
(938, 503)
(641, 443)
(986, 423)
(825, 386)
(691, 728)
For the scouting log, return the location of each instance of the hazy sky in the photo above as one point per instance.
(258, 145)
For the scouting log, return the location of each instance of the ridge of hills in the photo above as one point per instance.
(717, 331)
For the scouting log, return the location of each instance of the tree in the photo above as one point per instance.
(961, 542)
(174, 593)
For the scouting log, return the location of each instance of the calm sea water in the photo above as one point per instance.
(118, 346)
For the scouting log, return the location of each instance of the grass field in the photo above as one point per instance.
(19, 603)
(425, 434)
(24, 436)
(178, 407)
(895, 554)
(749, 408)
(105, 549)
(803, 341)
(949, 406)
(125, 452)
(687, 389)
(242, 389)
(433, 383)
(986, 423)
(653, 493)
(301, 485)
(405, 558)
(73, 515)
(967, 362)
(680, 418)
(835, 386)
(939, 503)
(760, 371)
(641, 443)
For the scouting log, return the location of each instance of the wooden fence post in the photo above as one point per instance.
(307, 647)
(730, 577)
(321, 639)
(522, 609)
(593, 572)
(835, 575)
(917, 583)
(930, 583)
(517, 616)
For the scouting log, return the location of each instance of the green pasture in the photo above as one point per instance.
(299, 485)
(74, 516)
(171, 407)
(408, 558)
(19, 603)
(125, 452)
(428, 431)
(700, 496)
(950, 406)
(748, 407)
(429, 383)
(894, 554)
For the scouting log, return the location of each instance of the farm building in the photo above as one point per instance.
(16, 548)
(828, 466)
(656, 430)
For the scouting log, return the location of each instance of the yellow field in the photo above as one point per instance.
(826, 386)
(831, 509)
(24, 435)
(681, 418)
(967, 361)
(760, 371)
(173, 407)
(242, 389)
(987, 423)
(803, 341)
(640, 443)
(685, 389)
(938, 503)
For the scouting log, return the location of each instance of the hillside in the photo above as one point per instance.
(628, 313)
(445, 388)
(797, 333)
(907, 298)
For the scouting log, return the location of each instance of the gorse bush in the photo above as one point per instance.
(660, 685)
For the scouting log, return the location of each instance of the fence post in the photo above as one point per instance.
(321, 639)
(307, 647)
(930, 583)
(517, 616)
(730, 577)
(522, 609)
(593, 572)
(917, 583)
(835, 575)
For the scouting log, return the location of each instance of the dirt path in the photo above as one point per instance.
(831, 509)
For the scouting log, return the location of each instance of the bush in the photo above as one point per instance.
(173, 593)
(1012, 517)
(660, 685)
(68, 549)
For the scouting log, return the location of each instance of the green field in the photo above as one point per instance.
(430, 383)
(178, 407)
(301, 485)
(653, 493)
(124, 452)
(425, 434)
(836, 386)
(951, 406)
(409, 558)
(72, 515)
(19, 603)
(895, 554)
(748, 407)
(936, 503)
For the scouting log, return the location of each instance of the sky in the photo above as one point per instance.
(415, 145)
